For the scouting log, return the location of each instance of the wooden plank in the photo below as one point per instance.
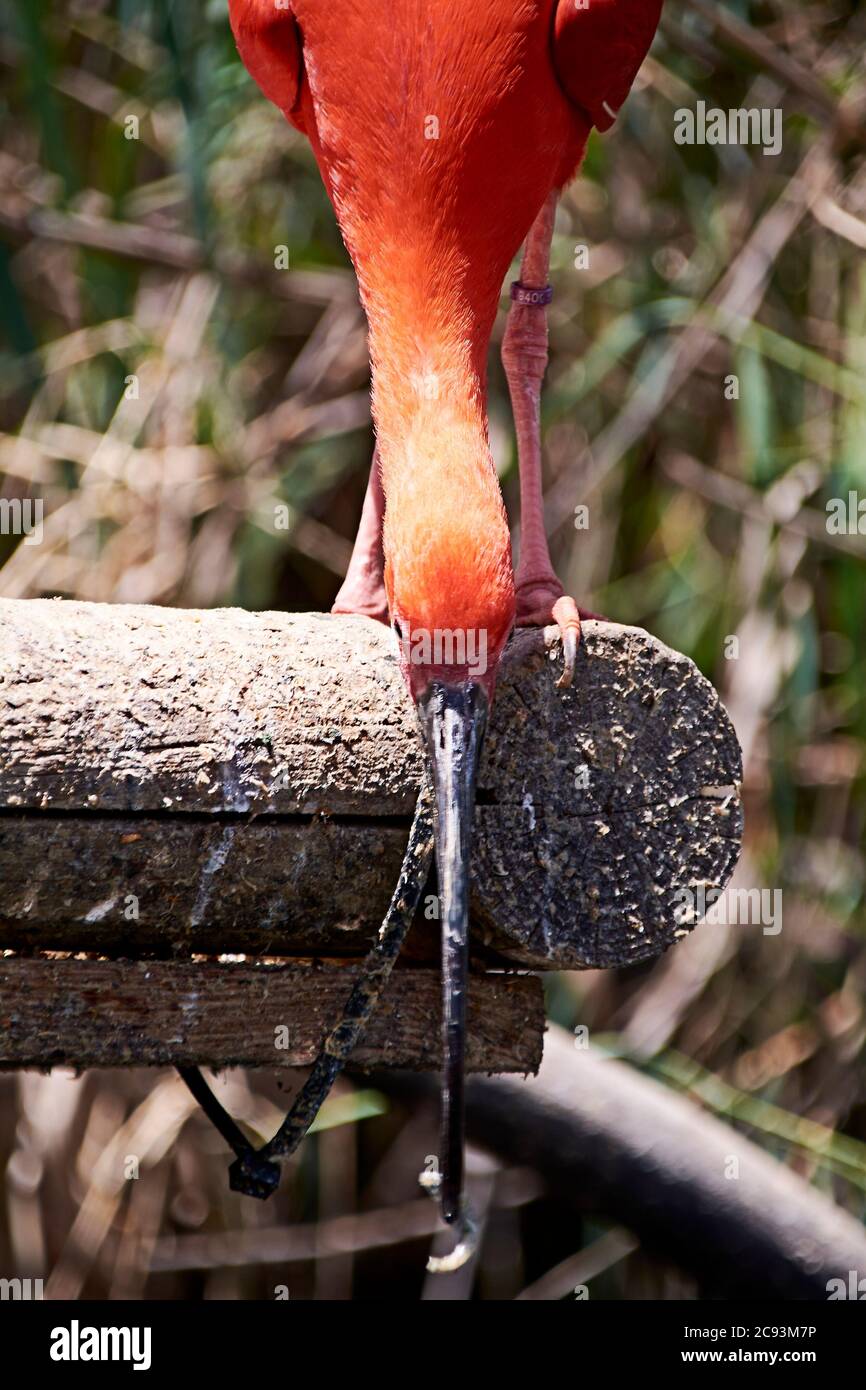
(84, 1013)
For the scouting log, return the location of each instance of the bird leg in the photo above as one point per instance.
(540, 596)
(363, 590)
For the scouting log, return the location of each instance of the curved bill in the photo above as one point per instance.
(453, 720)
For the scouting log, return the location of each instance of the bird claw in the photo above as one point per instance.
(542, 601)
(362, 605)
(567, 618)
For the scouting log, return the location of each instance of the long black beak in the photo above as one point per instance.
(453, 720)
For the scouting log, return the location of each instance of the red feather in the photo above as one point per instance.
(269, 42)
(598, 46)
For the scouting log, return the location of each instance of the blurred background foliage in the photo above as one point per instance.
(165, 388)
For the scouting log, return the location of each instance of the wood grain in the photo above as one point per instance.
(84, 1013)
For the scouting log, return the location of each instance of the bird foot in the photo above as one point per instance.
(540, 602)
(362, 601)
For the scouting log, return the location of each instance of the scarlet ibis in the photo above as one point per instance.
(444, 130)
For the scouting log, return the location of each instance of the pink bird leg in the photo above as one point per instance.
(363, 590)
(540, 595)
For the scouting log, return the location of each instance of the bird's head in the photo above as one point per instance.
(451, 593)
(448, 565)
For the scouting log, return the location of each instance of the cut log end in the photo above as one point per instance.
(612, 803)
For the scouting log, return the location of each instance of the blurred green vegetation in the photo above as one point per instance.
(147, 189)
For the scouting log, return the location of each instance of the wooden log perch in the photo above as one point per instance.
(175, 781)
(177, 784)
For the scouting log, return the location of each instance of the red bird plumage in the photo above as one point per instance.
(443, 129)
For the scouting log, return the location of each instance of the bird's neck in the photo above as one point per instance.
(446, 538)
(430, 412)
(429, 338)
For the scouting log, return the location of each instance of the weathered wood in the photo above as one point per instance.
(244, 782)
(85, 1013)
(144, 885)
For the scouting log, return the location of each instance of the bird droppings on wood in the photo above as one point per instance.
(597, 806)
